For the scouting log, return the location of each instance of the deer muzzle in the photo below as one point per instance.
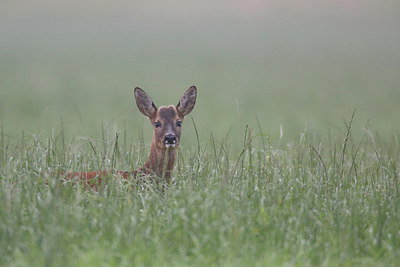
(170, 140)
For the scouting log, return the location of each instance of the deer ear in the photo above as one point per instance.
(144, 103)
(187, 102)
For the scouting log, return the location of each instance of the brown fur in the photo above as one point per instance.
(161, 160)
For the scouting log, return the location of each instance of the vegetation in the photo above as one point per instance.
(267, 173)
(310, 202)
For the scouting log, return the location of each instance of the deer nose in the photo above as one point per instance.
(170, 139)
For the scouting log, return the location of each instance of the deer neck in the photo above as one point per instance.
(161, 161)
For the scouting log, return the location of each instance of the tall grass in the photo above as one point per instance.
(313, 201)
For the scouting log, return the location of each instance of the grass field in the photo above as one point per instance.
(290, 157)
(311, 202)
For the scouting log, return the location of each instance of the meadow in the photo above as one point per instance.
(304, 203)
(290, 157)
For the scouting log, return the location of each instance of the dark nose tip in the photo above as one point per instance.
(170, 139)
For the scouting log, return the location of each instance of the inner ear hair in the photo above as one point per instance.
(144, 103)
(187, 101)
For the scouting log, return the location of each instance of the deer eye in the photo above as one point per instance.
(157, 124)
(179, 123)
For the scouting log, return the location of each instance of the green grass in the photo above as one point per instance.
(270, 177)
(325, 201)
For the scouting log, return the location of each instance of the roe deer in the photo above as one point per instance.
(167, 122)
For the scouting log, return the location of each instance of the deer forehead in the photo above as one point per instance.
(167, 113)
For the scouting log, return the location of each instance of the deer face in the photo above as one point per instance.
(166, 120)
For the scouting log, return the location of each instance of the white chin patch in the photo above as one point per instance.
(169, 145)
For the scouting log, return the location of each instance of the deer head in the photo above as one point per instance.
(167, 123)
(166, 120)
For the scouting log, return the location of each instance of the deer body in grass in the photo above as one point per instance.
(167, 123)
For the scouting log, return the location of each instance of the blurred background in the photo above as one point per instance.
(294, 64)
